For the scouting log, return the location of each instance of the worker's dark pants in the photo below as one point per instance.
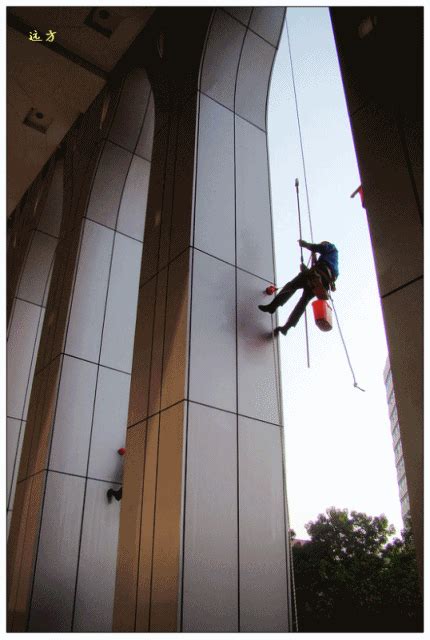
(299, 282)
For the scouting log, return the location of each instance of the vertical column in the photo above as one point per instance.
(34, 237)
(234, 378)
(78, 408)
(194, 552)
(383, 77)
(149, 546)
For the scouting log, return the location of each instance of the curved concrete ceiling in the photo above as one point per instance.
(50, 84)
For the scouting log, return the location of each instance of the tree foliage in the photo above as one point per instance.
(349, 578)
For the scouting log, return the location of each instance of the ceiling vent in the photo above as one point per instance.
(38, 120)
(103, 20)
(366, 26)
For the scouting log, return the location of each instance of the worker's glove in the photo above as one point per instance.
(302, 243)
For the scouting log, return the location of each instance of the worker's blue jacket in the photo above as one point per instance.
(328, 254)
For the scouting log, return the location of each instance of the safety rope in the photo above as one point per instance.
(293, 584)
(276, 355)
(277, 373)
(300, 133)
(344, 346)
(296, 184)
(307, 340)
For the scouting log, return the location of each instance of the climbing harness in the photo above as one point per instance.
(316, 276)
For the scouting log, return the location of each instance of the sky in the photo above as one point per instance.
(338, 446)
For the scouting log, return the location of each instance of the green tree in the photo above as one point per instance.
(400, 582)
(347, 576)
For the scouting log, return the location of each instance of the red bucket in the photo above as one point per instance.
(322, 315)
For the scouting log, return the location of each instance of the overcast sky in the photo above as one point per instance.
(338, 440)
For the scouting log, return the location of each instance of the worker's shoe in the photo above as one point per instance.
(270, 308)
(111, 493)
(282, 330)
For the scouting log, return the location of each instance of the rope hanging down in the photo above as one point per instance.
(300, 134)
(293, 584)
(296, 184)
(345, 347)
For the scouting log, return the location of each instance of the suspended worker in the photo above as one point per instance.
(316, 281)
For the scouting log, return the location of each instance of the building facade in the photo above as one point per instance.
(137, 260)
(397, 442)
